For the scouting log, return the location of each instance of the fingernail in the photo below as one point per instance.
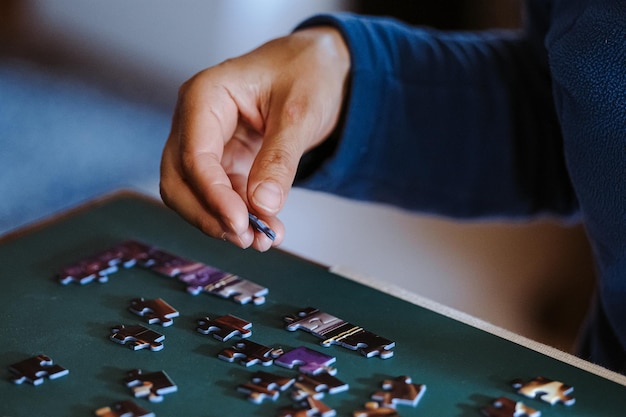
(268, 196)
(242, 240)
(246, 238)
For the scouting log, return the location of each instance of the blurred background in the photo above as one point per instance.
(86, 93)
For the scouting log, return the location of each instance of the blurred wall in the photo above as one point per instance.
(160, 40)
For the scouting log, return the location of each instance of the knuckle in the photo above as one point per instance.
(164, 192)
(205, 225)
(185, 87)
(188, 159)
(296, 109)
(279, 162)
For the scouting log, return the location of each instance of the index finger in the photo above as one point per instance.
(206, 120)
(177, 194)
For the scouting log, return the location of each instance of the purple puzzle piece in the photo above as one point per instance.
(134, 252)
(105, 263)
(198, 276)
(169, 264)
(309, 361)
(82, 273)
(98, 267)
(223, 284)
(203, 279)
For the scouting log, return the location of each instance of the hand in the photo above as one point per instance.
(241, 127)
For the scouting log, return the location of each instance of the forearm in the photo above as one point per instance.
(455, 123)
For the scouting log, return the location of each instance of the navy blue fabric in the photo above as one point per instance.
(586, 47)
(511, 124)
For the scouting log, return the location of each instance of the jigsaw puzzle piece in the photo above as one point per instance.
(137, 337)
(337, 331)
(317, 385)
(356, 338)
(310, 407)
(224, 327)
(257, 393)
(505, 407)
(133, 252)
(223, 284)
(249, 353)
(204, 279)
(35, 369)
(261, 226)
(101, 265)
(124, 408)
(153, 385)
(307, 360)
(265, 385)
(168, 264)
(374, 409)
(198, 276)
(314, 321)
(113, 257)
(85, 271)
(154, 311)
(399, 390)
(545, 389)
(241, 291)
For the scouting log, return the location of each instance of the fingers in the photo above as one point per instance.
(262, 242)
(212, 222)
(304, 107)
(240, 129)
(274, 168)
(193, 181)
(217, 220)
(202, 181)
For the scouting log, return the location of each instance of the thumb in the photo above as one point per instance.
(271, 176)
(301, 112)
(286, 138)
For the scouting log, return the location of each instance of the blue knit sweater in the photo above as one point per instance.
(495, 124)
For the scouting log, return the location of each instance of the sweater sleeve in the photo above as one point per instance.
(587, 56)
(496, 124)
(454, 123)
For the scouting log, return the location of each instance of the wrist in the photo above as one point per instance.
(332, 64)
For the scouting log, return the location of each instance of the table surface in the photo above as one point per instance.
(463, 367)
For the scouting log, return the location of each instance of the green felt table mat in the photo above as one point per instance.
(462, 366)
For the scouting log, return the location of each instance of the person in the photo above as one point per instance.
(508, 124)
